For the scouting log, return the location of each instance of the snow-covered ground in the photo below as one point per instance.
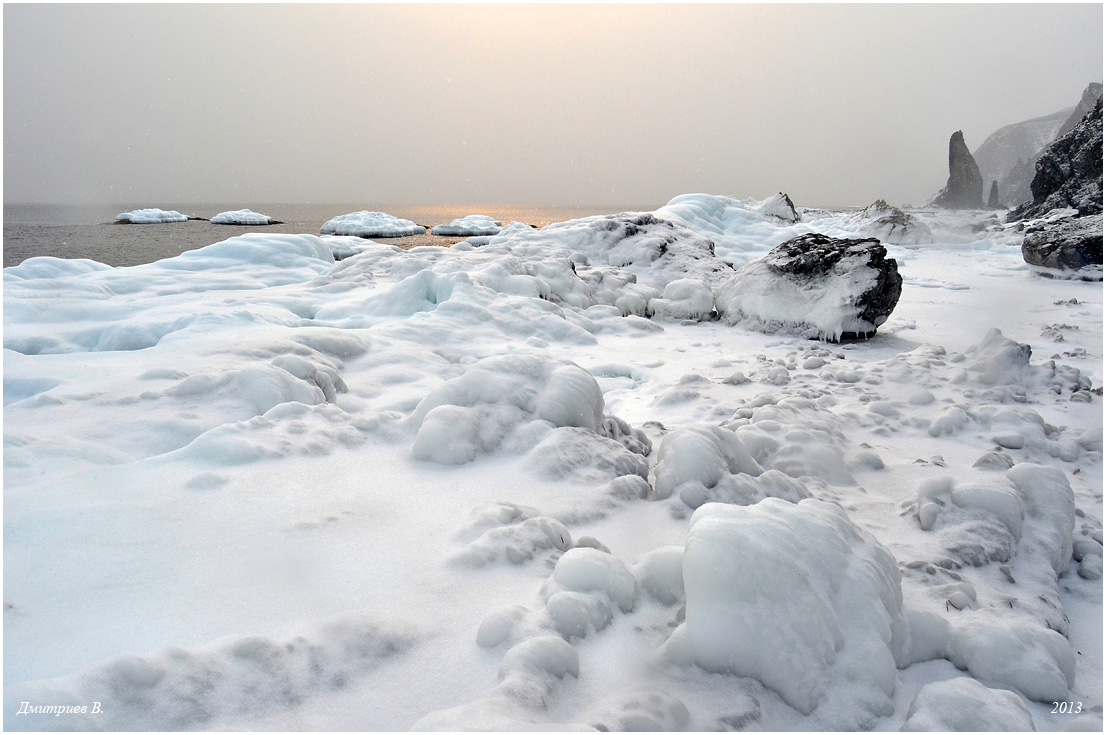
(241, 217)
(528, 482)
(472, 224)
(150, 216)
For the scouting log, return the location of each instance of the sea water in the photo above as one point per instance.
(88, 231)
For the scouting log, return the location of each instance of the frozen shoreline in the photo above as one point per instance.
(183, 462)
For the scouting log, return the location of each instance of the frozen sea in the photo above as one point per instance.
(529, 481)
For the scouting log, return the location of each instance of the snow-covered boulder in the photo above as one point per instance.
(817, 285)
(469, 226)
(684, 298)
(965, 705)
(370, 224)
(242, 217)
(655, 250)
(149, 217)
(1070, 248)
(796, 596)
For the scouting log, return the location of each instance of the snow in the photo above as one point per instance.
(370, 224)
(150, 216)
(532, 481)
(241, 217)
(468, 226)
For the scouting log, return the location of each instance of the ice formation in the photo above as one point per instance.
(241, 217)
(473, 224)
(370, 224)
(149, 216)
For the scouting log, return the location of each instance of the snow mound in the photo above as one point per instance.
(179, 689)
(890, 224)
(471, 225)
(965, 705)
(703, 455)
(593, 571)
(656, 251)
(241, 217)
(476, 412)
(684, 298)
(370, 224)
(149, 217)
(800, 578)
(738, 228)
(650, 710)
(509, 532)
(1034, 660)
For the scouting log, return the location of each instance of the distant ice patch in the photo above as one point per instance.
(149, 217)
(370, 224)
(472, 225)
(241, 217)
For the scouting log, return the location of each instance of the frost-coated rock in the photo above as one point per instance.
(797, 578)
(817, 285)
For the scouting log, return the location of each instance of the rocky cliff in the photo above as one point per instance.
(964, 189)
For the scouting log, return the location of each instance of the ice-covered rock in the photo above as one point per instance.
(149, 217)
(370, 224)
(468, 226)
(890, 224)
(242, 217)
(965, 705)
(816, 285)
(509, 532)
(1070, 248)
(685, 298)
(797, 578)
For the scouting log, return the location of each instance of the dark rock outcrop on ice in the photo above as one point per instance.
(891, 224)
(1073, 244)
(829, 288)
(1069, 177)
(964, 189)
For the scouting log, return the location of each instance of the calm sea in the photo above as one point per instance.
(88, 232)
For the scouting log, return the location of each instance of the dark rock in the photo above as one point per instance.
(1069, 173)
(964, 189)
(1073, 244)
(810, 266)
(1069, 176)
(992, 200)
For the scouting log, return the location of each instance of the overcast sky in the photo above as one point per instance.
(599, 105)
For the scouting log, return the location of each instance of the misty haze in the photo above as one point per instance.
(563, 367)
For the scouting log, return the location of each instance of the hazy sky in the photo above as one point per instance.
(520, 104)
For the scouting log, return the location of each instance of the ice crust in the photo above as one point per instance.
(597, 503)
